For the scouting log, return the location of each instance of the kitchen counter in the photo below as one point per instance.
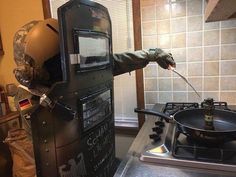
(131, 166)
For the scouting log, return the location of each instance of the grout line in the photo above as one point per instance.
(203, 51)
(187, 59)
(171, 49)
(219, 94)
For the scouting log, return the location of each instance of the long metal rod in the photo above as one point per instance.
(176, 72)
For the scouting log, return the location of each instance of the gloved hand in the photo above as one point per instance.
(164, 59)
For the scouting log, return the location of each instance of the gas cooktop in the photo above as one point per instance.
(171, 147)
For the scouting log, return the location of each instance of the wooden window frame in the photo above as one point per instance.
(137, 46)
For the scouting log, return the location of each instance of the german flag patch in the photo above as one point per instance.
(24, 104)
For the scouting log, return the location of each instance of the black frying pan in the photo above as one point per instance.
(191, 123)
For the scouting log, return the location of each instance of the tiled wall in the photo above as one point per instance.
(204, 52)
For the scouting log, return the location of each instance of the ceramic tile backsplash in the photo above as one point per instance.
(194, 7)
(194, 69)
(228, 83)
(211, 37)
(204, 52)
(211, 53)
(211, 83)
(151, 97)
(162, 12)
(211, 68)
(178, 40)
(194, 23)
(148, 13)
(194, 39)
(178, 9)
(228, 36)
(163, 27)
(178, 25)
(195, 54)
(228, 52)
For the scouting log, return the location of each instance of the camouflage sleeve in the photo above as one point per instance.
(129, 61)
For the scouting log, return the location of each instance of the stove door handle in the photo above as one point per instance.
(154, 113)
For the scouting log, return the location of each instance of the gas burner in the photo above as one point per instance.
(171, 147)
(173, 107)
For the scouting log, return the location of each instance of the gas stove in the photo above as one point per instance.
(171, 147)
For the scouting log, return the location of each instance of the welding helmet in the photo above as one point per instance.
(36, 54)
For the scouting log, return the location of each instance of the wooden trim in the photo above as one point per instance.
(138, 46)
(46, 9)
(1, 48)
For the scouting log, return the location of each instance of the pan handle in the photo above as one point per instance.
(154, 113)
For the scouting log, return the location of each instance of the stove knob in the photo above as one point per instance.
(158, 130)
(155, 137)
(160, 123)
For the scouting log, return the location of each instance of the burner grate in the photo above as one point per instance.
(173, 107)
(190, 150)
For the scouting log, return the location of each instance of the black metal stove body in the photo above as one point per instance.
(74, 136)
(170, 146)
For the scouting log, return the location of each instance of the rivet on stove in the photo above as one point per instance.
(45, 141)
(44, 123)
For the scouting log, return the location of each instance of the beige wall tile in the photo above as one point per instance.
(194, 69)
(150, 84)
(162, 12)
(178, 40)
(163, 27)
(227, 83)
(228, 67)
(180, 96)
(178, 25)
(228, 52)
(228, 23)
(151, 97)
(193, 97)
(211, 53)
(228, 36)
(150, 70)
(211, 37)
(163, 41)
(211, 68)
(178, 9)
(147, 3)
(214, 95)
(179, 54)
(194, 39)
(181, 68)
(148, 13)
(229, 97)
(196, 83)
(195, 23)
(164, 84)
(149, 42)
(149, 28)
(211, 84)
(194, 7)
(195, 54)
(162, 3)
(211, 25)
(165, 97)
(163, 72)
(179, 84)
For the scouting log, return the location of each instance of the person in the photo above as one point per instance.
(37, 56)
